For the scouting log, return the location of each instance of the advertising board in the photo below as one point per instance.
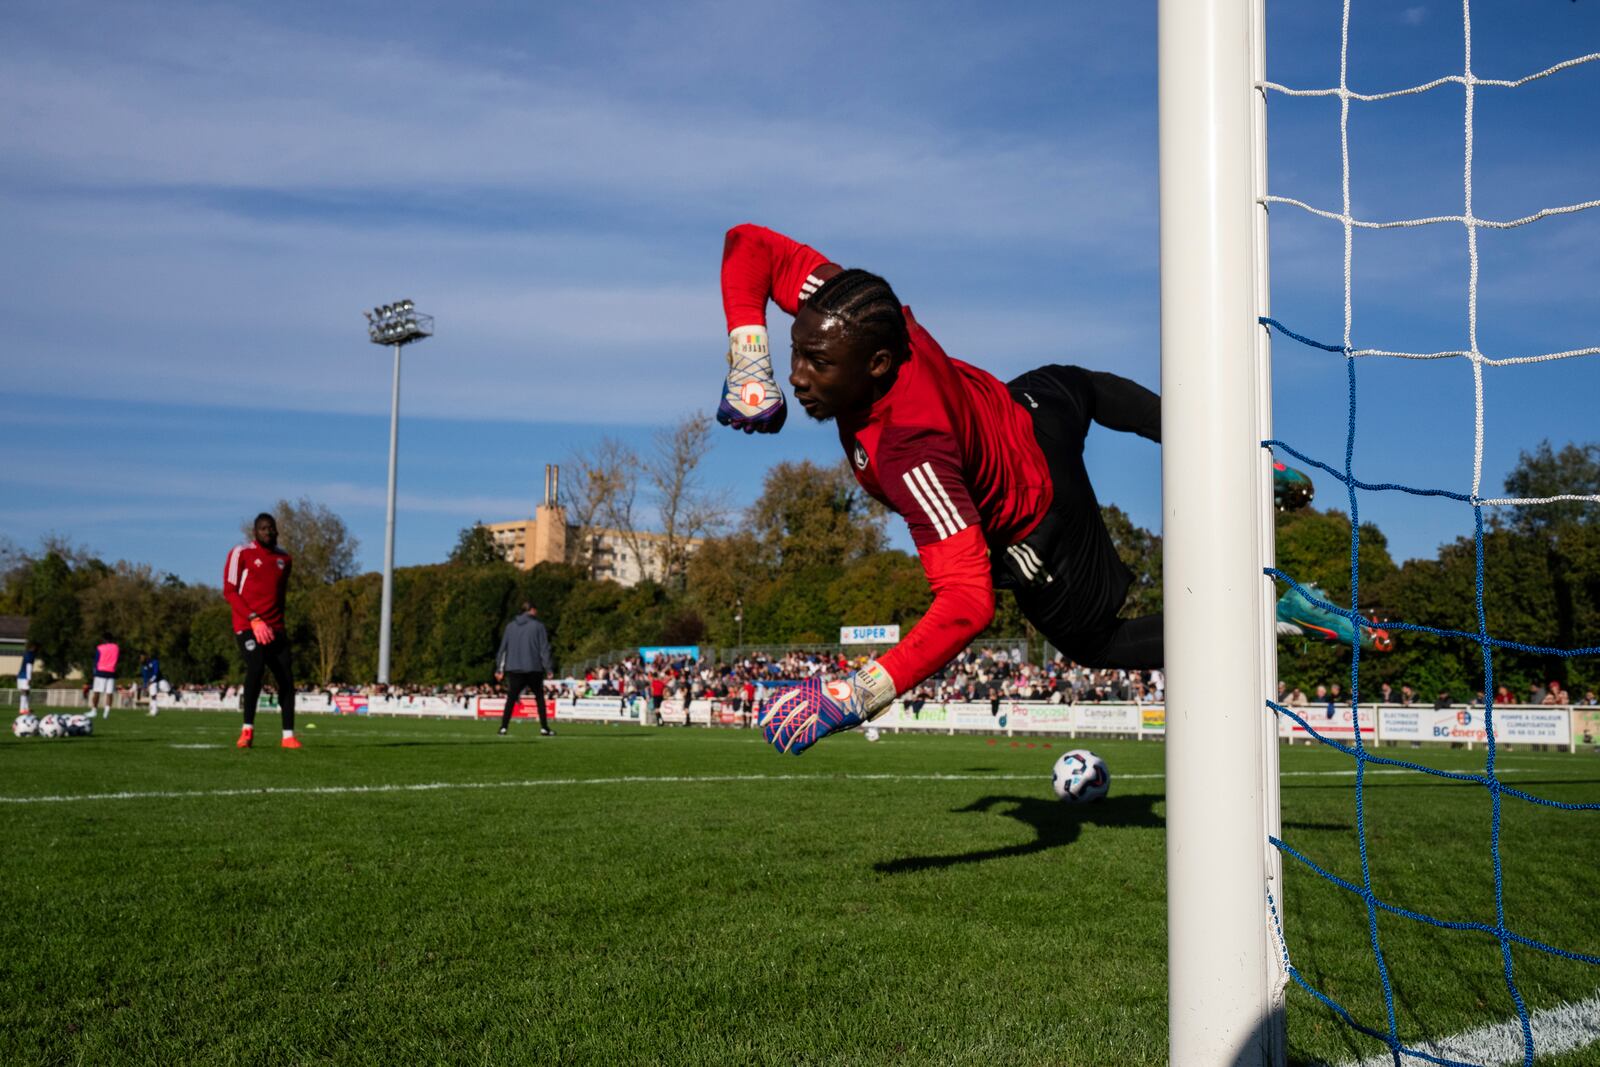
(1468, 725)
(869, 635)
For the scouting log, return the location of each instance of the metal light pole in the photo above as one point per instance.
(397, 324)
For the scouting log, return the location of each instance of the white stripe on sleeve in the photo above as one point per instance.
(933, 516)
(955, 513)
(233, 564)
(936, 497)
(925, 486)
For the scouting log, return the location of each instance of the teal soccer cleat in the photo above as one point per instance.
(1299, 617)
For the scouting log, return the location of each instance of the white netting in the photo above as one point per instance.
(1469, 221)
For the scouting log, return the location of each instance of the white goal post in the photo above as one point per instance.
(1226, 977)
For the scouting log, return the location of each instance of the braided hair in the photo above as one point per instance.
(869, 305)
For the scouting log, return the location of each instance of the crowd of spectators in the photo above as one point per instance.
(977, 674)
(997, 675)
(1552, 694)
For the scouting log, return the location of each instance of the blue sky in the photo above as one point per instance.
(199, 200)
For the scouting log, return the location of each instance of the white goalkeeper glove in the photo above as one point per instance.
(751, 399)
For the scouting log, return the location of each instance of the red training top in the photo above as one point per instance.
(947, 448)
(255, 580)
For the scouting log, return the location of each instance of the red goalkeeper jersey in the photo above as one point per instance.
(254, 580)
(947, 448)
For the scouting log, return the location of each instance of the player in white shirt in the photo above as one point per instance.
(25, 677)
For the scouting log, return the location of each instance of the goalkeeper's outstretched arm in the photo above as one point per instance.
(758, 265)
(963, 604)
(920, 474)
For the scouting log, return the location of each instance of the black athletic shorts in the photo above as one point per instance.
(1067, 576)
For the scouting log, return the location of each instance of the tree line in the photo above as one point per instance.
(1541, 589)
(808, 555)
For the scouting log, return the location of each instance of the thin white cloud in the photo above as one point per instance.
(200, 490)
(201, 230)
(336, 113)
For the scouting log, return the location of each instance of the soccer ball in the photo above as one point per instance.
(80, 726)
(871, 733)
(1080, 777)
(50, 726)
(25, 726)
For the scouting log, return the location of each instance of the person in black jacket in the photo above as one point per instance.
(523, 662)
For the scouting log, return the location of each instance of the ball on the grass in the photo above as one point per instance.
(871, 733)
(1080, 777)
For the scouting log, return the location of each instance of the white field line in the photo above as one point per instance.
(1563, 1028)
(630, 779)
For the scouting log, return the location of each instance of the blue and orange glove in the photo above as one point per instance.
(751, 399)
(805, 713)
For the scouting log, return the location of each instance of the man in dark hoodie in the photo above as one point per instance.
(523, 661)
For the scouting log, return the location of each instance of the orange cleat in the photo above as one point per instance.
(291, 742)
(245, 737)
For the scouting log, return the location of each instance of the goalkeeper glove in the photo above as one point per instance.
(261, 631)
(751, 399)
(806, 713)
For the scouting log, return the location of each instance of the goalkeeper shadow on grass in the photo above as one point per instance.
(1054, 825)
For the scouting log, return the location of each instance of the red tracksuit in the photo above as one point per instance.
(255, 580)
(947, 448)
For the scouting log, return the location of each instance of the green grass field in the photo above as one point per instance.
(426, 892)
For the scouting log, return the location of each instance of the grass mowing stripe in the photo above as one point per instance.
(1563, 1028)
(527, 783)
(628, 779)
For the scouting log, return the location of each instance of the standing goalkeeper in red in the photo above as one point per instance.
(255, 580)
(989, 476)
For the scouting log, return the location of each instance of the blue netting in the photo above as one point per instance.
(1504, 935)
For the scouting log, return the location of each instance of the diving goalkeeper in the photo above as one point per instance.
(989, 476)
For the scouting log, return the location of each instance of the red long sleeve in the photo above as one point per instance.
(963, 604)
(230, 585)
(759, 264)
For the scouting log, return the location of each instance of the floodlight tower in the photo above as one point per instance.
(397, 324)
